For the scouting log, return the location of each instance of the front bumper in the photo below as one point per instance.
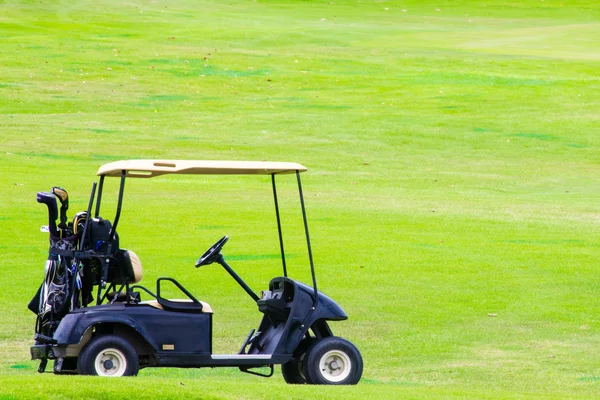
(41, 352)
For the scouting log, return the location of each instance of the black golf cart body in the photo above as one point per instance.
(162, 332)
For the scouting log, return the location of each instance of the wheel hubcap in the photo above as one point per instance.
(335, 365)
(110, 362)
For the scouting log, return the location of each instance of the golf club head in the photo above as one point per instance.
(62, 195)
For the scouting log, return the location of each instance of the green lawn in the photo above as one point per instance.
(453, 189)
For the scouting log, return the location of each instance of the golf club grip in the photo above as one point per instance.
(49, 200)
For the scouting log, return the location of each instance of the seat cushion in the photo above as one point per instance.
(153, 303)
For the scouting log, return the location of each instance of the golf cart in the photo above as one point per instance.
(131, 327)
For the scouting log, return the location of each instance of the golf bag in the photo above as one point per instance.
(82, 254)
(61, 290)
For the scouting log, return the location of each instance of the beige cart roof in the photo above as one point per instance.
(151, 168)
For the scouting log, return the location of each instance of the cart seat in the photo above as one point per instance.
(182, 304)
(128, 268)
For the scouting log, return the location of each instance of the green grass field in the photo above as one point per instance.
(453, 189)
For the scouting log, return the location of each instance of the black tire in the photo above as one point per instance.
(293, 370)
(333, 361)
(108, 355)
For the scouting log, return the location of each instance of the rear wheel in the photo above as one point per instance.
(293, 370)
(333, 361)
(108, 355)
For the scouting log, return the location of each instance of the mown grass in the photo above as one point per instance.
(452, 189)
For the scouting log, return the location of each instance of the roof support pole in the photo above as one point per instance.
(87, 217)
(279, 226)
(100, 186)
(119, 204)
(310, 257)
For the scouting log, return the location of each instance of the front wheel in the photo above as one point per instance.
(333, 361)
(108, 355)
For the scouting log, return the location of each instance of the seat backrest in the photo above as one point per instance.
(127, 268)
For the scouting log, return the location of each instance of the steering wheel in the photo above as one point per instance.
(211, 255)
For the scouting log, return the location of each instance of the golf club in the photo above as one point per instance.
(49, 200)
(63, 196)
